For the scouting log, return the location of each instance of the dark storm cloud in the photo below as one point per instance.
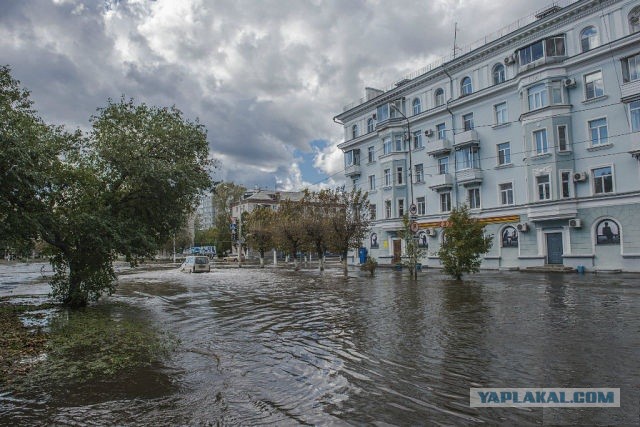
(265, 77)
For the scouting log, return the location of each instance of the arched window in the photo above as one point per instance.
(634, 20)
(607, 232)
(417, 106)
(589, 38)
(465, 86)
(370, 125)
(498, 74)
(509, 237)
(354, 131)
(439, 97)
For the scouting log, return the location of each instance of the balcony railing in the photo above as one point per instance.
(352, 170)
(439, 146)
(469, 176)
(442, 181)
(466, 138)
(630, 90)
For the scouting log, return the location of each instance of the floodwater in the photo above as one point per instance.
(279, 347)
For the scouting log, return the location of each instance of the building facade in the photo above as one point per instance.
(205, 213)
(536, 130)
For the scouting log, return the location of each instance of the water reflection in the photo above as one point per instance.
(287, 348)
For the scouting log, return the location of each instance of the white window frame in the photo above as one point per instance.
(421, 203)
(387, 145)
(566, 138)
(417, 140)
(371, 125)
(506, 192)
(387, 177)
(401, 207)
(373, 211)
(355, 131)
(501, 115)
(634, 107)
(372, 182)
(419, 172)
(447, 199)
(507, 153)
(544, 149)
(467, 124)
(594, 84)
(441, 130)
(475, 199)
(569, 182)
(538, 96)
(498, 76)
(438, 97)
(545, 186)
(592, 41)
(627, 75)
(388, 209)
(416, 106)
(443, 161)
(466, 86)
(600, 142)
(371, 154)
(399, 175)
(593, 180)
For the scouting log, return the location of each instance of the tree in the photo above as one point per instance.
(289, 228)
(317, 209)
(349, 222)
(258, 228)
(463, 243)
(124, 188)
(224, 195)
(413, 251)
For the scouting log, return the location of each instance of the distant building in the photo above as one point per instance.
(536, 129)
(205, 212)
(262, 198)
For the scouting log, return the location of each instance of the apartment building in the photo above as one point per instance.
(536, 129)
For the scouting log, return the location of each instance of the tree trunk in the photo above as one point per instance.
(262, 258)
(75, 297)
(345, 268)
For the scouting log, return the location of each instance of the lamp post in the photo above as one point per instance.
(411, 244)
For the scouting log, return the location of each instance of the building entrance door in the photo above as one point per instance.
(397, 250)
(554, 248)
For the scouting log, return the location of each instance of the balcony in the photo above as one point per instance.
(441, 182)
(469, 137)
(630, 90)
(352, 170)
(469, 177)
(439, 146)
(635, 144)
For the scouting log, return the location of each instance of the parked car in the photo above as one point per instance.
(196, 264)
(233, 258)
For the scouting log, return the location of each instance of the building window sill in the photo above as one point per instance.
(564, 152)
(540, 156)
(596, 99)
(418, 148)
(387, 187)
(600, 147)
(504, 166)
(374, 191)
(370, 163)
(501, 125)
(419, 182)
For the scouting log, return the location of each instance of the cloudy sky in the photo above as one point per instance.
(265, 77)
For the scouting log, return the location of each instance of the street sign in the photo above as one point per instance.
(413, 209)
(414, 227)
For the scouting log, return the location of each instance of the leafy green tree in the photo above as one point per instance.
(224, 195)
(413, 251)
(349, 221)
(317, 207)
(463, 243)
(258, 227)
(289, 228)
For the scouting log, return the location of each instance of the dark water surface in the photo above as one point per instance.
(284, 348)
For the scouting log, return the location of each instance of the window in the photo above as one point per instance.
(538, 97)
(387, 209)
(387, 177)
(500, 112)
(387, 146)
(593, 85)
(531, 53)
(399, 143)
(467, 121)
(465, 86)
(598, 132)
(562, 138)
(400, 207)
(602, 180)
(382, 113)
(441, 130)
(589, 38)
(509, 237)
(419, 173)
(474, 198)
(555, 46)
(354, 131)
(542, 145)
(607, 232)
(631, 68)
(371, 151)
(443, 165)
(372, 211)
(417, 107)
(634, 20)
(467, 158)
(439, 97)
(352, 157)
(370, 125)
(504, 153)
(634, 111)
(506, 193)
(355, 183)
(372, 182)
(544, 187)
(422, 205)
(445, 202)
(550, 47)
(565, 178)
(498, 74)
(417, 140)
(399, 175)
(556, 92)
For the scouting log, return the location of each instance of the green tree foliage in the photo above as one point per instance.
(258, 227)
(318, 208)
(413, 251)
(125, 188)
(349, 222)
(224, 195)
(289, 228)
(463, 243)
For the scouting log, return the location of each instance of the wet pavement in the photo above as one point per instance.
(272, 346)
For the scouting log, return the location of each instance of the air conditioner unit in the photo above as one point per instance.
(431, 232)
(428, 133)
(569, 82)
(580, 176)
(575, 223)
(523, 227)
(511, 59)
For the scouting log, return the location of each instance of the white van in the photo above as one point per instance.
(196, 264)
